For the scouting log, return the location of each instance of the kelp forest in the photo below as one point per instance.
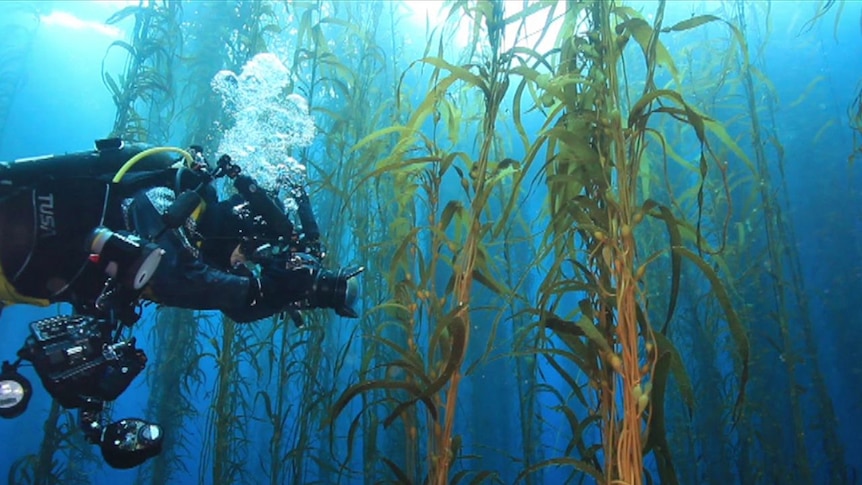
(580, 231)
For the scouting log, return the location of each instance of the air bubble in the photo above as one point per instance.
(267, 124)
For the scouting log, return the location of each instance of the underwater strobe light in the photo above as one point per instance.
(124, 256)
(15, 392)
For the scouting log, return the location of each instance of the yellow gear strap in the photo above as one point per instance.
(9, 295)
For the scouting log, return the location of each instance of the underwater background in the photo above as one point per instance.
(606, 242)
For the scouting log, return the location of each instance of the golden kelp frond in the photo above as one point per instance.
(676, 260)
(636, 26)
(578, 465)
(822, 9)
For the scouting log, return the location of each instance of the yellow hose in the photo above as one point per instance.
(150, 151)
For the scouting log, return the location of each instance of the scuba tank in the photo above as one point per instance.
(104, 162)
(86, 187)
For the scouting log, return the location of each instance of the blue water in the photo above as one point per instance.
(62, 106)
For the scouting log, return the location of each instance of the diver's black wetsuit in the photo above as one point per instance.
(183, 279)
(44, 231)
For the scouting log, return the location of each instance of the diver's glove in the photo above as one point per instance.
(288, 281)
(313, 247)
(300, 281)
(129, 442)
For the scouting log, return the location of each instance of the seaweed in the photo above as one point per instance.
(143, 94)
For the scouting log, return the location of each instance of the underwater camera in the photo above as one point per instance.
(338, 290)
(76, 359)
(320, 287)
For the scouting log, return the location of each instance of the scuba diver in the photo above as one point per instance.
(108, 229)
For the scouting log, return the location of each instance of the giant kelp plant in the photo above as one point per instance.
(143, 94)
(589, 150)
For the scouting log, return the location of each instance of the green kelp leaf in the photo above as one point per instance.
(452, 207)
(415, 372)
(503, 172)
(513, 202)
(691, 23)
(483, 477)
(428, 105)
(458, 333)
(677, 368)
(367, 386)
(452, 115)
(591, 419)
(529, 11)
(349, 26)
(822, 9)
(574, 427)
(400, 130)
(668, 151)
(455, 447)
(351, 434)
(592, 332)
(456, 479)
(112, 87)
(125, 46)
(399, 473)
(558, 462)
(645, 175)
(400, 254)
(657, 438)
(670, 222)
(267, 405)
(822, 129)
(720, 132)
(642, 32)
(448, 160)
(686, 113)
(562, 327)
(737, 330)
(490, 283)
(573, 384)
(410, 360)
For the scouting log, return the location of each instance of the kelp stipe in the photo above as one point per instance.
(63, 455)
(143, 94)
(436, 251)
(791, 298)
(233, 347)
(340, 84)
(596, 133)
(174, 376)
(221, 456)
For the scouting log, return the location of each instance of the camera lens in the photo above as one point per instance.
(338, 290)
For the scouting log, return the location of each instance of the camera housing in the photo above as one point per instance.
(77, 359)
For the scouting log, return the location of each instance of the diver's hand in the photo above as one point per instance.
(286, 282)
(313, 247)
